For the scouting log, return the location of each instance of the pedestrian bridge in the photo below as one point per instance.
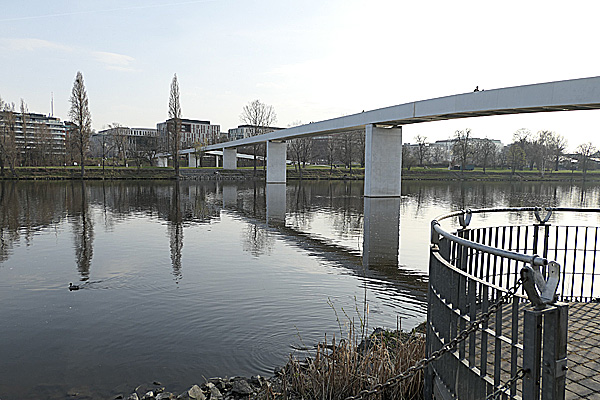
(383, 126)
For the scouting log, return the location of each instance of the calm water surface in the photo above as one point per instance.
(197, 279)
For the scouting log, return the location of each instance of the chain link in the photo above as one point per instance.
(451, 345)
(520, 374)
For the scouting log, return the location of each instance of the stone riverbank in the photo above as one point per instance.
(236, 388)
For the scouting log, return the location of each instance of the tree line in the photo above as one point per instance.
(544, 151)
(22, 145)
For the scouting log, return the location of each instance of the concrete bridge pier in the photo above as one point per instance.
(276, 157)
(192, 160)
(383, 161)
(229, 158)
(162, 161)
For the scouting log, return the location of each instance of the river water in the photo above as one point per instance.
(185, 281)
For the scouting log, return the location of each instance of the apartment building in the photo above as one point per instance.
(193, 131)
(35, 132)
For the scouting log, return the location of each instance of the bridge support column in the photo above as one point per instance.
(276, 156)
(162, 162)
(192, 160)
(229, 158)
(383, 161)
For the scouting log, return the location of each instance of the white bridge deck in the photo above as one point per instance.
(383, 127)
(575, 94)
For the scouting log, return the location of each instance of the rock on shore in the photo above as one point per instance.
(215, 389)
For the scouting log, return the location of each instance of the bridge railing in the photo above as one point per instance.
(502, 285)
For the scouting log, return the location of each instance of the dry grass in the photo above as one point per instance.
(339, 369)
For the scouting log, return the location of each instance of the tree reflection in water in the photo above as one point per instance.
(175, 229)
(257, 240)
(28, 207)
(83, 229)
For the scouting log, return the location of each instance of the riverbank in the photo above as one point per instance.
(333, 370)
(312, 173)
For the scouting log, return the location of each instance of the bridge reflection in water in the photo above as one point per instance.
(381, 226)
(377, 257)
(381, 232)
(276, 202)
(381, 235)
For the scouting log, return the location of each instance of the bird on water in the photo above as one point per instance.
(73, 287)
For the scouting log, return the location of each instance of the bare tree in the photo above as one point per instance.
(542, 149)
(300, 150)
(422, 148)
(260, 117)
(523, 138)
(485, 151)
(104, 146)
(438, 154)
(43, 145)
(515, 157)
(70, 144)
(408, 157)
(26, 141)
(147, 148)
(557, 144)
(80, 116)
(120, 141)
(463, 147)
(585, 152)
(344, 149)
(8, 147)
(360, 146)
(295, 150)
(330, 152)
(347, 147)
(174, 123)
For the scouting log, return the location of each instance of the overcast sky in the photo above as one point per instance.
(310, 59)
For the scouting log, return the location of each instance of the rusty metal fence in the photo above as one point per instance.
(517, 278)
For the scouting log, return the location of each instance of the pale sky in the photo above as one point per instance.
(310, 59)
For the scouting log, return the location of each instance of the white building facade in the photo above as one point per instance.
(35, 132)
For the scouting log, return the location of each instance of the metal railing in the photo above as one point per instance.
(516, 275)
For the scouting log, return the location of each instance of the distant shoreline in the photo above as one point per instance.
(433, 174)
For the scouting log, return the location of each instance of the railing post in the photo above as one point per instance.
(532, 350)
(554, 371)
(428, 383)
(545, 360)
(436, 317)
